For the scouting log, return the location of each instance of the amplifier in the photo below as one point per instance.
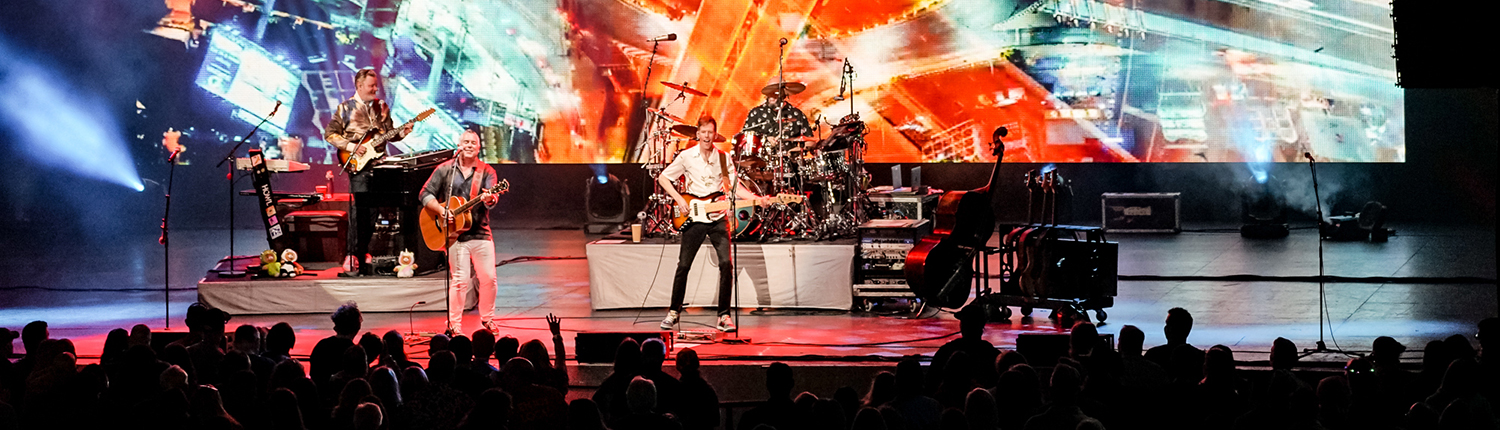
(318, 236)
(883, 245)
(1142, 212)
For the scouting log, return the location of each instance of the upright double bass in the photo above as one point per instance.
(937, 268)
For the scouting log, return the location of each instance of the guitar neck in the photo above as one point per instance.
(724, 205)
(499, 187)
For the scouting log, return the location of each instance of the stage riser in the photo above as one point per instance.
(322, 291)
(810, 275)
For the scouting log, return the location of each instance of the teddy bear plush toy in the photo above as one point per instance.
(407, 266)
(268, 264)
(289, 265)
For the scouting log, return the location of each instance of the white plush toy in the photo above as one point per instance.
(289, 265)
(408, 265)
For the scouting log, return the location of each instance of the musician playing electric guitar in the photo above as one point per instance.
(707, 171)
(468, 177)
(351, 120)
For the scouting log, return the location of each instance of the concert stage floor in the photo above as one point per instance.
(85, 286)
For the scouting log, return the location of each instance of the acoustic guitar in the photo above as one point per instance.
(712, 207)
(374, 143)
(439, 235)
(937, 268)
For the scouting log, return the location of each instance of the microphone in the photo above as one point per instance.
(783, 41)
(667, 38)
(1307, 155)
(173, 157)
(274, 109)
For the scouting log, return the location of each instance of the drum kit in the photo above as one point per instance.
(829, 170)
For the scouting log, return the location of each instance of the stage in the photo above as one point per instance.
(1427, 294)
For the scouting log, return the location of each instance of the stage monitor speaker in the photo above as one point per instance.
(600, 346)
(1043, 349)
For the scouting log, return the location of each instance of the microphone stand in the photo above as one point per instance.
(1322, 293)
(229, 158)
(734, 247)
(166, 253)
(645, 84)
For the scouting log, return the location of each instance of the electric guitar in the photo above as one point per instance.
(711, 208)
(439, 235)
(374, 143)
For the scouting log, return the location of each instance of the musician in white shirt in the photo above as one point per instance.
(706, 170)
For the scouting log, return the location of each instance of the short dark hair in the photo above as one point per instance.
(779, 378)
(706, 119)
(281, 337)
(346, 319)
(362, 74)
(33, 334)
(1180, 317)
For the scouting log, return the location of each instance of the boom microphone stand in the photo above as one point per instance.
(229, 158)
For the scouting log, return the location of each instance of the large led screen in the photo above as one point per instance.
(570, 81)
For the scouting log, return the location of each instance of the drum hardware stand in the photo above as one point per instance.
(656, 217)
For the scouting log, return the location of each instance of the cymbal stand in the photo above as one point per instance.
(656, 217)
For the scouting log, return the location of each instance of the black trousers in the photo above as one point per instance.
(692, 238)
(361, 217)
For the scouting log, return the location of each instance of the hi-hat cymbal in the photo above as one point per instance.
(791, 88)
(800, 139)
(664, 114)
(686, 89)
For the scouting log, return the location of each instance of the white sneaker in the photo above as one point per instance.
(726, 324)
(670, 321)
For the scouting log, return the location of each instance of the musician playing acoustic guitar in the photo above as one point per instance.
(351, 120)
(707, 171)
(470, 178)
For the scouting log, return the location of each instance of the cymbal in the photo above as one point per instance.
(684, 88)
(791, 88)
(692, 132)
(800, 139)
(664, 114)
(686, 130)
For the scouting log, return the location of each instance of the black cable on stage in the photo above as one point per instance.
(524, 259)
(1314, 279)
(889, 342)
(652, 286)
(93, 290)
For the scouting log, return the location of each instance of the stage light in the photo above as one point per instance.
(1263, 212)
(605, 200)
(58, 125)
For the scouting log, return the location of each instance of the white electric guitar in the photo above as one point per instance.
(709, 209)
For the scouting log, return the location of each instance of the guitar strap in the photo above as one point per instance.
(474, 183)
(724, 170)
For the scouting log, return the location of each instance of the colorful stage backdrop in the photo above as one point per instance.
(1075, 80)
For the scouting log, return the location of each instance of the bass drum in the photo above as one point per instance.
(745, 224)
